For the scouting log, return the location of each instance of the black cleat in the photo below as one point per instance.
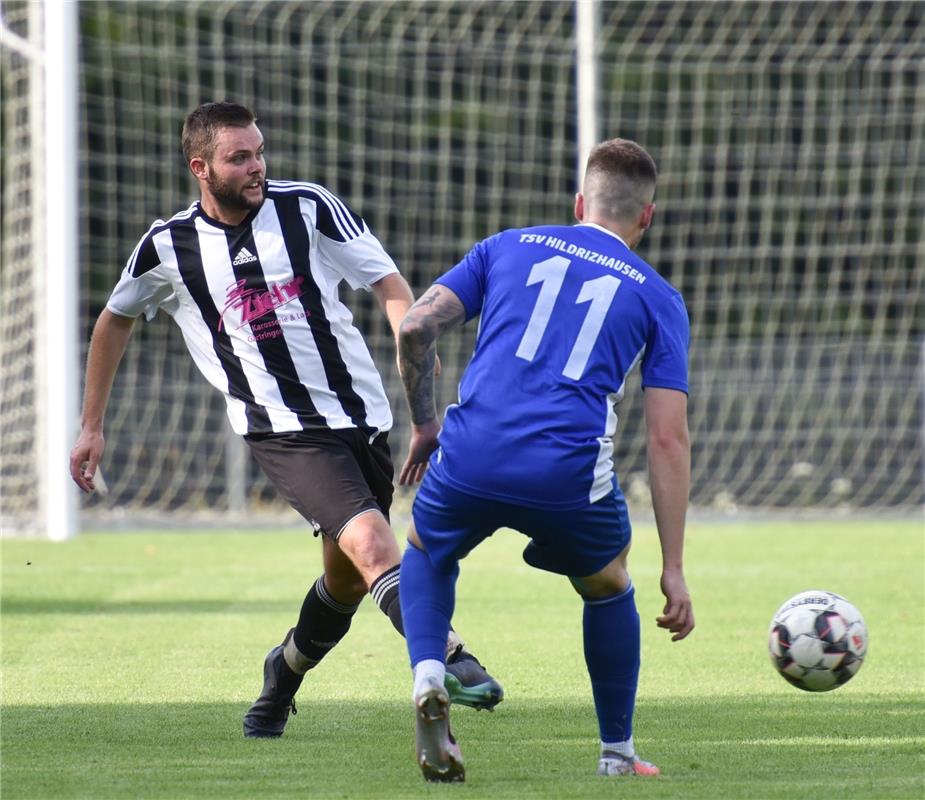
(267, 717)
(469, 684)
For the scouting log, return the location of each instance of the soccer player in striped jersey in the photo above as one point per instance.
(250, 273)
(566, 312)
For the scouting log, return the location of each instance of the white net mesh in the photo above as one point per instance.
(437, 121)
(791, 202)
(19, 286)
(791, 144)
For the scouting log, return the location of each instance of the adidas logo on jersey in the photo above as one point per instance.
(244, 256)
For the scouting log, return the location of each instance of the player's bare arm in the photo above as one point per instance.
(438, 310)
(395, 298)
(110, 338)
(668, 444)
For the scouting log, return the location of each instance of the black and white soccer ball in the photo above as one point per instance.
(817, 641)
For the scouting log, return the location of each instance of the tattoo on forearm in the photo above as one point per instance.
(435, 312)
(418, 377)
(429, 297)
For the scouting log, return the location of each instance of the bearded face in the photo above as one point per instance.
(233, 175)
(237, 194)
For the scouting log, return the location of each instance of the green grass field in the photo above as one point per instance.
(129, 660)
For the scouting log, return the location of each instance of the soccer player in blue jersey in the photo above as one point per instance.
(566, 313)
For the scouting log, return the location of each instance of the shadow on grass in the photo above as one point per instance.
(40, 605)
(770, 746)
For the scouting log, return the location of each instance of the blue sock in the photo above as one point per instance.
(427, 598)
(612, 642)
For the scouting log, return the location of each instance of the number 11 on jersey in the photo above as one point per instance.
(599, 292)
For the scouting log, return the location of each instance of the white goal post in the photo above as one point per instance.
(38, 436)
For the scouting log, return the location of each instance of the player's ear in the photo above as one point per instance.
(645, 220)
(580, 207)
(199, 167)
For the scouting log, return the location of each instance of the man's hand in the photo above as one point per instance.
(423, 443)
(85, 458)
(110, 337)
(678, 615)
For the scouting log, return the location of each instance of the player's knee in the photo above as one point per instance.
(609, 581)
(369, 542)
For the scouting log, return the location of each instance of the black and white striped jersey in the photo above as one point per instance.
(259, 310)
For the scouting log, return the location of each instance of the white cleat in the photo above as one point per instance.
(437, 752)
(616, 764)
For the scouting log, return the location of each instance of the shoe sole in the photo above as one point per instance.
(257, 733)
(438, 755)
(481, 696)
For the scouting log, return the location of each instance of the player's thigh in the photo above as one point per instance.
(448, 523)
(376, 462)
(588, 544)
(320, 476)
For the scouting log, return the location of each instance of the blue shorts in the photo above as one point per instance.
(576, 543)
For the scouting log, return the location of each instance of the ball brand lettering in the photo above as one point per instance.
(809, 601)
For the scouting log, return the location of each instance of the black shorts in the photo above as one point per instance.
(328, 476)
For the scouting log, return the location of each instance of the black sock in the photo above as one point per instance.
(385, 593)
(323, 622)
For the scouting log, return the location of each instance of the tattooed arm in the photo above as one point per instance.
(438, 310)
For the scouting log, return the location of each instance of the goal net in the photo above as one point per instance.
(790, 139)
(791, 144)
(19, 459)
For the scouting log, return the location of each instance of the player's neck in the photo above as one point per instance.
(629, 234)
(221, 213)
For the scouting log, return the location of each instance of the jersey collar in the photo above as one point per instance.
(251, 215)
(603, 230)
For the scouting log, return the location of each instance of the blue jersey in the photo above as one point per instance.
(566, 312)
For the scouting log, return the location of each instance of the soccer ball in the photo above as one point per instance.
(817, 641)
